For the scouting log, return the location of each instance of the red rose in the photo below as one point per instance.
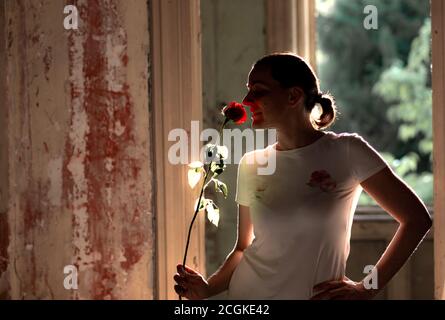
(235, 111)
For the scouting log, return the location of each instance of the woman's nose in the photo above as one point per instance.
(247, 101)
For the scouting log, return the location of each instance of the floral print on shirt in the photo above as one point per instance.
(323, 180)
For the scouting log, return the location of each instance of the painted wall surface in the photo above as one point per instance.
(75, 162)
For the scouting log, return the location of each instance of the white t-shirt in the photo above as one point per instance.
(302, 215)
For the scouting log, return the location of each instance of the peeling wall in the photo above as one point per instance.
(75, 151)
(4, 227)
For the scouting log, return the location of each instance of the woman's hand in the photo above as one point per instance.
(190, 284)
(345, 289)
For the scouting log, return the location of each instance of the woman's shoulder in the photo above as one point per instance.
(344, 136)
(341, 135)
(336, 140)
(253, 156)
(355, 144)
(346, 141)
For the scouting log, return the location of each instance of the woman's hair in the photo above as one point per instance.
(291, 70)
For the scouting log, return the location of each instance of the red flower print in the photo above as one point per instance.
(327, 186)
(323, 180)
(235, 111)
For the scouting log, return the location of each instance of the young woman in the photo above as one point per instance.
(294, 225)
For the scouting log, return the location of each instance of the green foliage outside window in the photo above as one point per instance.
(382, 81)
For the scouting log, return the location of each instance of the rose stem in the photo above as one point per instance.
(199, 204)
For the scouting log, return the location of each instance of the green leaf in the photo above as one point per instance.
(407, 132)
(193, 176)
(203, 204)
(196, 165)
(221, 187)
(212, 213)
(218, 167)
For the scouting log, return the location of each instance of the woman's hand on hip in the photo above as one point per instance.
(344, 289)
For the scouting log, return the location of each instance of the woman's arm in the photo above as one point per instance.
(192, 285)
(220, 280)
(400, 201)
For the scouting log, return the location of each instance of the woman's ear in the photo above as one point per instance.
(296, 96)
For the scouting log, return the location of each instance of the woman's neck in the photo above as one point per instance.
(293, 139)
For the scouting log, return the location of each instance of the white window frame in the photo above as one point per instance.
(290, 26)
(176, 101)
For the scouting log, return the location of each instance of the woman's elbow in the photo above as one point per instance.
(422, 222)
(427, 223)
(426, 220)
(239, 247)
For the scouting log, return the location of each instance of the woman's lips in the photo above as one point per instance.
(254, 108)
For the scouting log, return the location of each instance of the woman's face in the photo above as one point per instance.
(267, 100)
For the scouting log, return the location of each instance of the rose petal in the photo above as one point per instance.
(236, 112)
